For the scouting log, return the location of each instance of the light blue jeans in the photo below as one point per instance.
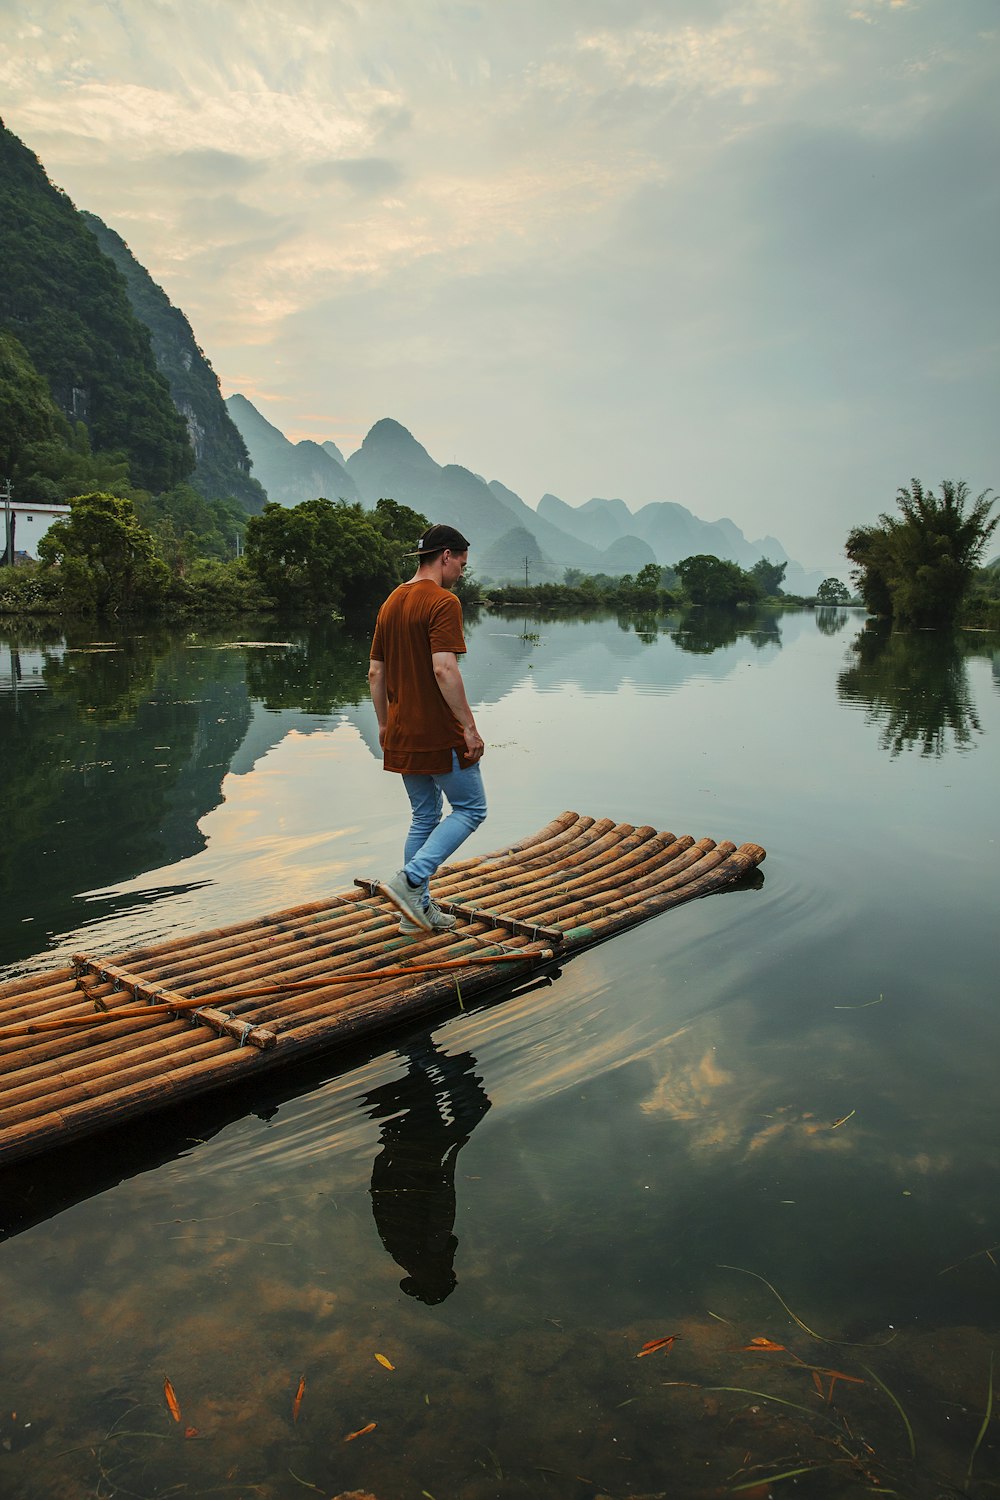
(431, 840)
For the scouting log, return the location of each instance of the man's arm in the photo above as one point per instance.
(449, 680)
(376, 686)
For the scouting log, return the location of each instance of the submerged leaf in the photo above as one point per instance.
(763, 1346)
(361, 1432)
(655, 1344)
(297, 1403)
(386, 1364)
(172, 1401)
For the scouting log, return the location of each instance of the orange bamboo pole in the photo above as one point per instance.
(201, 1003)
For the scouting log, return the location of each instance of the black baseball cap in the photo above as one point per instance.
(436, 539)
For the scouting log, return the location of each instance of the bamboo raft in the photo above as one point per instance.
(89, 1046)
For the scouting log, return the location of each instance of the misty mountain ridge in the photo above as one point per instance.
(290, 472)
(601, 536)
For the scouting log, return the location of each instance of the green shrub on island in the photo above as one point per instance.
(918, 568)
(212, 588)
(30, 590)
(107, 561)
(832, 591)
(328, 557)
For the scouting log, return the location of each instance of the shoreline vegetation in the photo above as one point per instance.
(328, 559)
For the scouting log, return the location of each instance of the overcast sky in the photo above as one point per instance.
(738, 255)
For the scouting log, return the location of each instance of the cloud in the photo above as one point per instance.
(208, 169)
(365, 175)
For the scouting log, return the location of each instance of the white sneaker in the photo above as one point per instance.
(406, 899)
(441, 921)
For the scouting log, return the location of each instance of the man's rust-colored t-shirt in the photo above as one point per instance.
(416, 620)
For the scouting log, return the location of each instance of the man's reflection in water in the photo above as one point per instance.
(429, 1115)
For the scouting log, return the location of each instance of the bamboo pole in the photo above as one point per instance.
(200, 1006)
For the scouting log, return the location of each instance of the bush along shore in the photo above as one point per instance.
(329, 558)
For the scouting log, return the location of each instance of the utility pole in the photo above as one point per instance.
(8, 552)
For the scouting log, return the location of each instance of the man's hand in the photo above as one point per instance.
(474, 746)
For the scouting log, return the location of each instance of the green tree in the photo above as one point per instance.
(187, 526)
(917, 567)
(870, 549)
(647, 584)
(832, 591)
(768, 577)
(398, 522)
(322, 557)
(715, 581)
(53, 471)
(107, 561)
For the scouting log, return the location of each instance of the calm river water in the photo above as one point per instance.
(764, 1124)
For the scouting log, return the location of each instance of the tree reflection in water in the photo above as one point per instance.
(428, 1115)
(702, 631)
(320, 671)
(915, 687)
(830, 619)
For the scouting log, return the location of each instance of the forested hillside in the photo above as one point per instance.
(67, 307)
(222, 464)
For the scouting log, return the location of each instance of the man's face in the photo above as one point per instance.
(452, 566)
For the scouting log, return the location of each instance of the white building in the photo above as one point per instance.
(29, 523)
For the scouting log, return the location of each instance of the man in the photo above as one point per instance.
(425, 726)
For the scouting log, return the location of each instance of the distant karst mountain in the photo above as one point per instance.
(222, 463)
(669, 529)
(516, 557)
(390, 462)
(290, 472)
(603, 536)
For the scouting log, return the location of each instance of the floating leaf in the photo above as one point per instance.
(655, 1344)
(297, 1403)
(190, 1432)
(843, 1120)
(763, 1346)
(361, 1432)
(839, 1375)
(172, 1401)
(386, 1364)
